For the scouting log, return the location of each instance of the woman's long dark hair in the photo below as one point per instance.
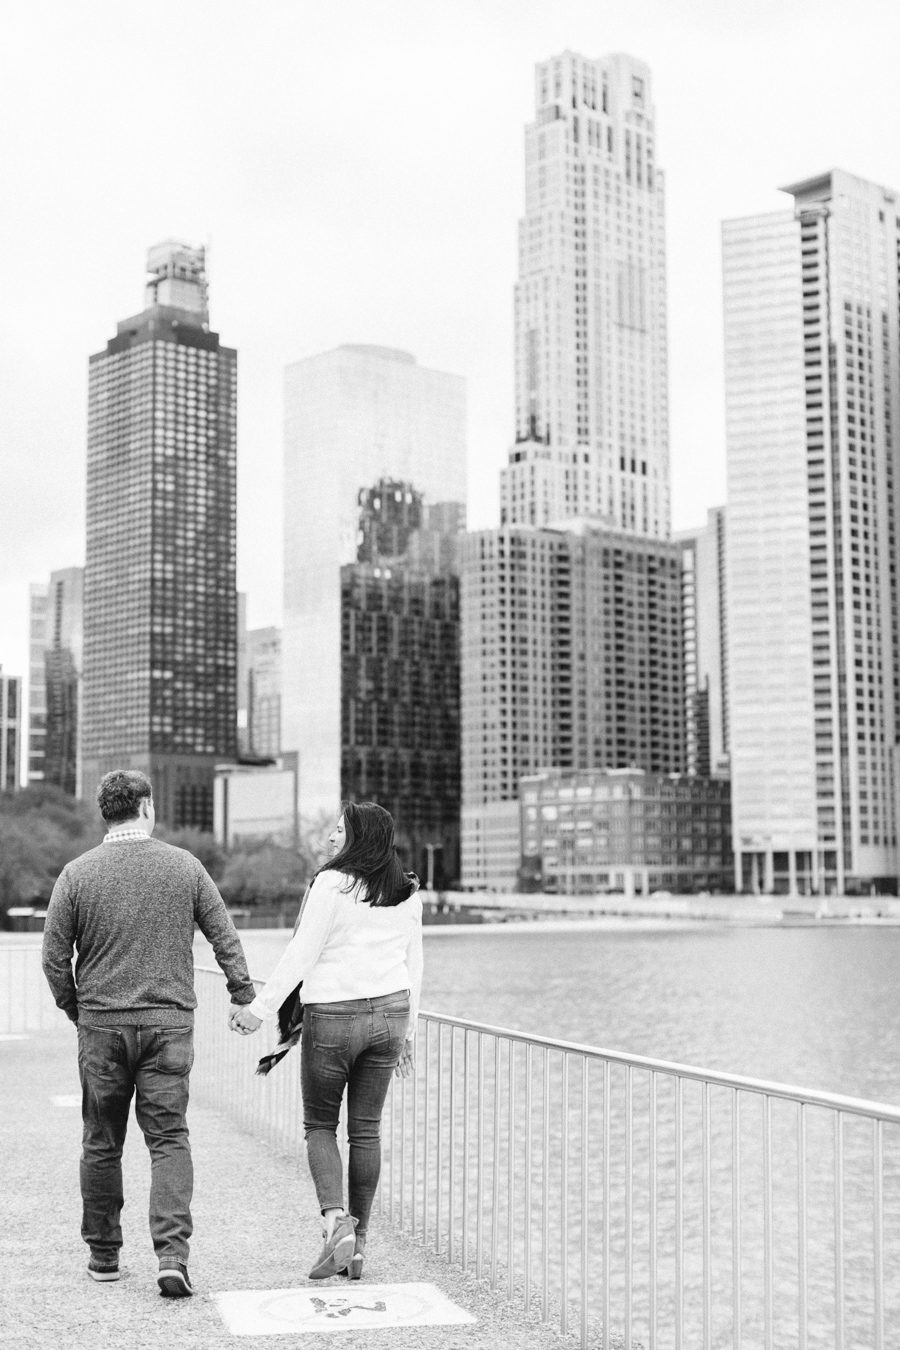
(369, 855)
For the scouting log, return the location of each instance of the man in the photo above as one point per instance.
(128, 909)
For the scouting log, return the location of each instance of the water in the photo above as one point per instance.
(813, 1006)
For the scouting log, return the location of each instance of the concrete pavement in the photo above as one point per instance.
(255, 1228)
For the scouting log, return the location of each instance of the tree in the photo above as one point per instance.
(41, 829)
(264, 874)
(201, 843)
(74, 818)
(313, 844)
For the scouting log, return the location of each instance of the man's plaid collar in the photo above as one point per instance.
(123, 836)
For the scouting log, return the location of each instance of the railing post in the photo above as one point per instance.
(878, 1227)
(839, 1327)
(802, 1235)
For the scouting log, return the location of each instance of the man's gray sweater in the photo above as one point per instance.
(128, 910)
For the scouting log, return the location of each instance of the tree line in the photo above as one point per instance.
(42, 828)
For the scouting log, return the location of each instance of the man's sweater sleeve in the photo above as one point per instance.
(216, 925)
(58, 948)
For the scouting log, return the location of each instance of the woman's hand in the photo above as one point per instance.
(407, 1061)
(243, 1022)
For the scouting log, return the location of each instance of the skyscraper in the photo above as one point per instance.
(160, 606)
(590, 324)
(54, 680)
(400, 714)
(571, 659)
(703, 554)
(812, 364)
(264, 691)
(38, 605)
(10, 731)
(571, 612)
(352, 415)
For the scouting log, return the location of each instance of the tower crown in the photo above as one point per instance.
(178, 278)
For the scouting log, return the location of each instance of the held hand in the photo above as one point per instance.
(407, 1061)
(241, 1020)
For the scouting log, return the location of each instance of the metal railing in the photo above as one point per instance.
(666, 1205)
(625, 1200)
(26, 1004)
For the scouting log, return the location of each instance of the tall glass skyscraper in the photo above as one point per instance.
(812, 366)
(400, 671)
(590, 328)
(160, 605)
(352, 416)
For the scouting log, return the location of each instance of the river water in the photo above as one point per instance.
(816, 1006)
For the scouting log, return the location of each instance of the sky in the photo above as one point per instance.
(356, 170)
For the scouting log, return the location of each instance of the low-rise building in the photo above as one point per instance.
(587, 831)
(255, 802)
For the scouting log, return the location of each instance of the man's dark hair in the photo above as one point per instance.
(369, 855)
(120, 794)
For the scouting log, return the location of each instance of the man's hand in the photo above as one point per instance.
(242, 1021)
(407, 1061)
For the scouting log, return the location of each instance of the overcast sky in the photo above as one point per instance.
(356, 169)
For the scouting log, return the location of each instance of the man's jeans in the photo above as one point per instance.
(356, 1043)
(153, 1063)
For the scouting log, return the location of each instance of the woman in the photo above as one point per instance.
(358, 951)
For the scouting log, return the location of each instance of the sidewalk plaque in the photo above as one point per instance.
(328, 1307)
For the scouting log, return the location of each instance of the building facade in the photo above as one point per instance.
(400, 696)
(591, 380)
(572, 657)
(54, 680)
(352, 416)
(587, 831)
(262, 692)
(705, 646)
(812, 360)
(160, 604)
(11, 728)
(38, 605)
(253, 804)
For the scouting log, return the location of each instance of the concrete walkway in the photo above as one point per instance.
(255, 1228)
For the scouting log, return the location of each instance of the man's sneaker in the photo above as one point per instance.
(103, 1271)
(173, 1280)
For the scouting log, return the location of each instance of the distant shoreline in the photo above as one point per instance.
(636, 923)
(618, 921)
(606, 922)
(649, 924)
